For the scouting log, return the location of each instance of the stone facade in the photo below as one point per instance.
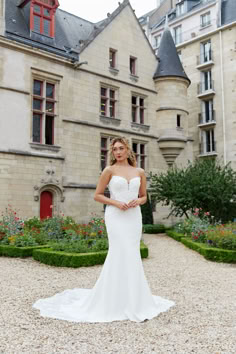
(70, 167)
(206, 46)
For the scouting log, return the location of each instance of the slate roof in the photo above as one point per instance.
(228, 11)
(169, 63)
(72, 33)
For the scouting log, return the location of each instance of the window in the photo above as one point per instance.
(178, 121)
(208, 141)
(157, 41)
(133, 65)
(180, 8)
(139, 151)
(105, 143)
(138, 109)
(206, 51)
(207, 112)
(42, 20)
(207, 80)
(43, 112)
(205, 19)
(177, 34)
(108, 102)
(112, 58)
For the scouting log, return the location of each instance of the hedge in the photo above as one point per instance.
(175, 235)
(75, 260)
(210, 253)
(21, 252)
(154, 229)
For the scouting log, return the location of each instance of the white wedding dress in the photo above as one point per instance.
(121, 291)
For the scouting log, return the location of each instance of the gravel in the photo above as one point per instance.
(203, 320)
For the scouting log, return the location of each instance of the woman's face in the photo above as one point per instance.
(120, 151)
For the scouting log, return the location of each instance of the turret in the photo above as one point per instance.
(171, 84)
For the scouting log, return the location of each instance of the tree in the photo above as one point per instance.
(205, 184)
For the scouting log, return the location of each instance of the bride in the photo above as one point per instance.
(121, 291)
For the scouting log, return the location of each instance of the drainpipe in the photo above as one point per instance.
(222, 97)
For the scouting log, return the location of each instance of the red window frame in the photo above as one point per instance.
(138, 109)
(51, 7)
(43, 112)
(108, 101)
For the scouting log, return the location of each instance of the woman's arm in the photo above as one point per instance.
(99, 193)
(142, 191)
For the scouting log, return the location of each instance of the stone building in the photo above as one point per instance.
(204, 32)
(67, 86)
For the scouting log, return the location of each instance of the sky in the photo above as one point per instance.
(96, 10)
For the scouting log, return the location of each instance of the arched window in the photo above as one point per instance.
(46, 204)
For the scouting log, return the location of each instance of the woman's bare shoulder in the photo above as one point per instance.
(107, 171)
(141, 171)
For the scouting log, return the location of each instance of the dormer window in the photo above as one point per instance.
(42, 16)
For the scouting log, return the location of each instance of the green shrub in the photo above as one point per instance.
(175, 235)
(20, 252)
(74, 260)
(211, 253)
(204, 183)
(154, 229)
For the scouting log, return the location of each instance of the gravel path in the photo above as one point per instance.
(203, 320)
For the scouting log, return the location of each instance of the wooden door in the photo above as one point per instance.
(46, 202)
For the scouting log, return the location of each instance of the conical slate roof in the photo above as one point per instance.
(169, 63)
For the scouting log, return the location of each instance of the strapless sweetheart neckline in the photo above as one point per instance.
(128, 181)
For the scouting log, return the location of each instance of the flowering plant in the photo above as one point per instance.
(11, 224)
(195, 226)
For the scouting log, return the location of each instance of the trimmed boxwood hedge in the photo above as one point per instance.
(75, 260)
(21, 252)
(175, 235)
(154, 229)
(210, 253)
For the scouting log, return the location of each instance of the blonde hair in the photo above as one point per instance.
(131, 156)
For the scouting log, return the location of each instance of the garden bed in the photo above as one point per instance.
(210, 253)
(75, 260)
(21, 252)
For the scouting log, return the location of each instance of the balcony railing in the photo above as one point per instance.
(207, 148)
(205, 86)
(205, 58)
(205, 24)
(207, 117)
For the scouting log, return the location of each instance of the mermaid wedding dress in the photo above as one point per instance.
(121, 291)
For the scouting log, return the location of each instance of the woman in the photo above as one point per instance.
(121, 291)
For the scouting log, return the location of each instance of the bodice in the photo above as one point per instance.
(123, 190)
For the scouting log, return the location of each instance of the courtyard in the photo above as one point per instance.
(202, 321)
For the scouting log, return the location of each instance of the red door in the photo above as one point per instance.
(46, 205)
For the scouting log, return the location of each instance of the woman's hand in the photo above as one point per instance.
(121, 205)
(134, 203)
